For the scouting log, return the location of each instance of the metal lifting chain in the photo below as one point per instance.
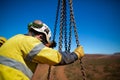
(63, 28)
(72, 23)
(65, 25)
(61, 7)
(56, 20)
(54, 35)
(62, 23)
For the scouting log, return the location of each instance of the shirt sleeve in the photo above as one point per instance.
(67, 58)
(54, 57)
(48, 56)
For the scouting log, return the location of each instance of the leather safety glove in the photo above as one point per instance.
(52, 44)
(79, 52)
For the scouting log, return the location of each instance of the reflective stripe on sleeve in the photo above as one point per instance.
(16, 65)
(34, 52)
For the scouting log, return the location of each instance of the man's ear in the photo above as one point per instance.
(39, 37)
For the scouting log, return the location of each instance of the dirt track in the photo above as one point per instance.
(57, 73)
(60, 74)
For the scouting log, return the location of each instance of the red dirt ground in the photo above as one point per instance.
(57, 73)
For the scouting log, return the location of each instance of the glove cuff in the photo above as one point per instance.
(79, 52)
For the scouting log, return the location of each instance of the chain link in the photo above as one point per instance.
(63, 30)
(83, 70)
(72, 23)
(70, 37)
(56, 21)
(65, 25)
(54, 35)
(49, 72)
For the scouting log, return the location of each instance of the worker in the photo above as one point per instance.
(21, 53)
(2, 40)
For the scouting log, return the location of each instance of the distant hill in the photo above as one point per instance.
(117, 53)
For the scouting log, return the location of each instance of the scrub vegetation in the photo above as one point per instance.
(97, 67)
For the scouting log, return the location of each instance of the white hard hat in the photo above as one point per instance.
(42, 28)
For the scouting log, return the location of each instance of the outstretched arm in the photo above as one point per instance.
(67, 58)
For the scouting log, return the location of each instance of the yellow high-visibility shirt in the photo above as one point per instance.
(19, 46)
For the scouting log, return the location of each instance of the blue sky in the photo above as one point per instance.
(98, 21)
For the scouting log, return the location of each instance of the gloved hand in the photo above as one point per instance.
(52, 44)
(79, 52)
